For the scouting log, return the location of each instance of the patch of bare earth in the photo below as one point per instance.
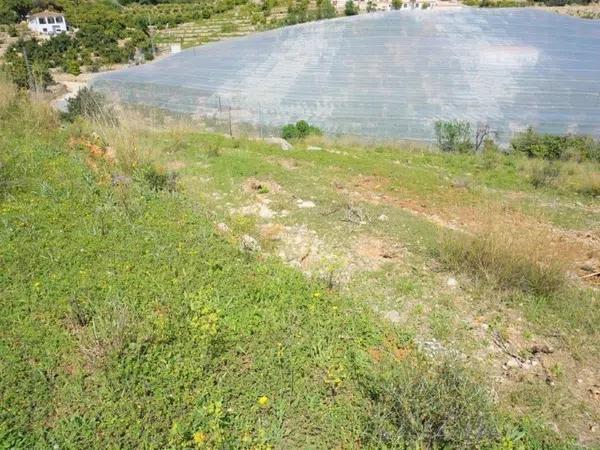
(581, 248)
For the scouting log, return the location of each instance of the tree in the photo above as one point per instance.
(300, 130)
(482, 133)
(350, 9)
(371, 6)
(454, 136)
(396, 4)
(326, 10)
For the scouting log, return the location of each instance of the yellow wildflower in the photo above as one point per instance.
(199, 437)
(263, 401)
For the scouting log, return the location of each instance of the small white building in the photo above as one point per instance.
(47, 22)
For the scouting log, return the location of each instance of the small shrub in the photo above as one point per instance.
(88, 104)
(440, 408)
(544, 175)
(72, 67)
(289, 131)
(454, 136)
(350, 9)
(160, 180)
(214, 150)
(300, 130)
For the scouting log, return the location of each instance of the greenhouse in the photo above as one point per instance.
(389, 75)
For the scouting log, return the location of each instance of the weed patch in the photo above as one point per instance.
(503, 261)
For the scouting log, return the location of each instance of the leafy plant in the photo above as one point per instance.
(454, 136)
(159, 179)
(299, 130)
(350, 9)
(554, 147)
(89, 104)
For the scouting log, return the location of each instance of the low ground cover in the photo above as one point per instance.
(148, 298)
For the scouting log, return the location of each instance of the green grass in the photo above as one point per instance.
(127, 322)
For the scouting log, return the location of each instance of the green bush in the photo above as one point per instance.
(160, 180)
(454, 136)
(89, 104)
(299, 130)
(555, 147)
(350, 9)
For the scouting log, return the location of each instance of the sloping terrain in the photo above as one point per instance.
(148, 299)
(386, 225)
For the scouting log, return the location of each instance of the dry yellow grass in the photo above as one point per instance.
(508, 260)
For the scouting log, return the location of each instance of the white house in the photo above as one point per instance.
(47, 22)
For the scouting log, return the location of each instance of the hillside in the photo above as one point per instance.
(164, 287)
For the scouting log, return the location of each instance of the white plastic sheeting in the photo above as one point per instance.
(390, 75)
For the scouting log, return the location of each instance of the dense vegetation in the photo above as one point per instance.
(106, 34)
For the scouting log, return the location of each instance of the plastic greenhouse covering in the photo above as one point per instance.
(389, 75)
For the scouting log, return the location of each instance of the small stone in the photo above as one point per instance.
(452, 282)
(313, 148)
(588, 267)
(265, 213)
(249, 244)
(121, 180)
(222, 228)
(393, 316)
(305, 204)
(383, 218)
(512, 363)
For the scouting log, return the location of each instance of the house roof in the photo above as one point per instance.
(46, 14)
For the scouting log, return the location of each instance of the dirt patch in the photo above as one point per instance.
(254, 185)
(174, 166)
(578, 247)
(288, 164)
(374, 252)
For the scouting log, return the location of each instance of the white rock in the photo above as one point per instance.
(383, 218)
(265, 213)
(283, 144)
(305, 204)
(393, 316)
(512, 363)
(223, 228)
(452, 282)
(249, 244)
(313, 148)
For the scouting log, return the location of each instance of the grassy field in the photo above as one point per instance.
(174, 289)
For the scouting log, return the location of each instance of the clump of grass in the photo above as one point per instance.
(160, 179)
(8, 93)
(566, 176)
(544, 174)
(125, 135)
(507, 262)
(440, 408)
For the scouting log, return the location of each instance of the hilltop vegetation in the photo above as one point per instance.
(111, 33)
(130, 319)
